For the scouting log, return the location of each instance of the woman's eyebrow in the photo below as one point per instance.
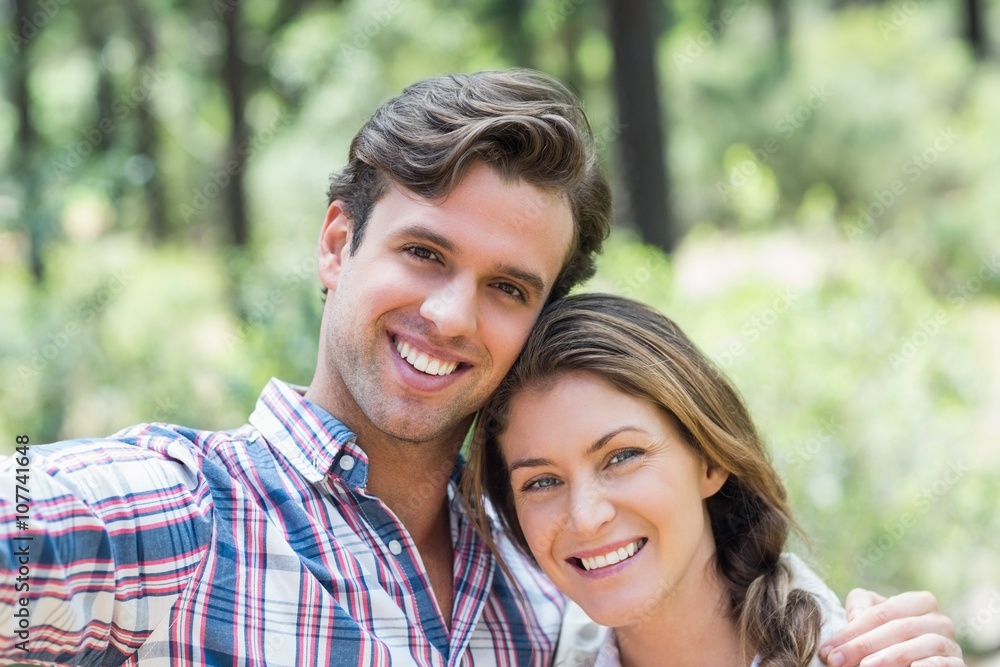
(528, 463)
(593, 449)
(597, 446)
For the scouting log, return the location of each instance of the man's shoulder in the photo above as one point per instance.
(141, 441)
(138, 459)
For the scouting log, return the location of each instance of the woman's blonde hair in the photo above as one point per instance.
(644, 354)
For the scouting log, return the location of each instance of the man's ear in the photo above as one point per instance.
(334, 244)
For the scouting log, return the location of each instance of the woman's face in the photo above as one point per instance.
(609, 496)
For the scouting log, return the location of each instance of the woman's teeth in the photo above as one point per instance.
(612, 557)
(423, 362)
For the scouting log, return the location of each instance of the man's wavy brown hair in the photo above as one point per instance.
(527, 126)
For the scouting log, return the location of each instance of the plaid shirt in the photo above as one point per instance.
(166, 546)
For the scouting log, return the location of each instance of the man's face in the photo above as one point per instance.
(432, 309)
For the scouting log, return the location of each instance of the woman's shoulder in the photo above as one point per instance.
(832, 611)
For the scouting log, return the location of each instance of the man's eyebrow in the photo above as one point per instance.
(425, 233)
(593, 449)
(531, 279)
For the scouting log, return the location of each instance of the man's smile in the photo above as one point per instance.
(423, 361)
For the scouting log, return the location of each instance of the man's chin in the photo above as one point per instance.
(429, 428)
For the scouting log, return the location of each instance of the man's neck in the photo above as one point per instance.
(411, 479)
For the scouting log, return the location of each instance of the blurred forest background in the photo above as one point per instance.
(810, 189)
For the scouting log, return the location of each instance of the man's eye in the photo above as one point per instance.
(511, 290)
(423, 253)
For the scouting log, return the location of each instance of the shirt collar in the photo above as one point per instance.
(313, 441)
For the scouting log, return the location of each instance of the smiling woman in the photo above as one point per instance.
(628, 467)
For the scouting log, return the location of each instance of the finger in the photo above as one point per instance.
(939, 662)
(892, 639)
(926, 647)
(859, 600)
(912, 604)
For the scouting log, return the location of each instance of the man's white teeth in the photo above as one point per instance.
(613, 557)
(423, 362)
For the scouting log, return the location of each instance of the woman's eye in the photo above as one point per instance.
(623, 455)
(541, 483)
(423, 253)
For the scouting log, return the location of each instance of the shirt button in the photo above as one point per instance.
(346, 462)
(395, 547)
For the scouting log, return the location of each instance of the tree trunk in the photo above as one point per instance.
(643, 136)
(781, 22)
(235, 165)
(572, 33)
(95, 31)
(975, 28)
(23, 32)
(147, 140)
(514, 39)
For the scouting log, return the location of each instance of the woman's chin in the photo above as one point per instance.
(611, 616)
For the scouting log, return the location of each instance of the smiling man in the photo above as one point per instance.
(327, 531)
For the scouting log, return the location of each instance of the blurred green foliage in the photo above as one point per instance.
(840, 263)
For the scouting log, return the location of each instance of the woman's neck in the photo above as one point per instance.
(690, 627)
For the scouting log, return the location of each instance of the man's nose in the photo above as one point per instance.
(452, 307)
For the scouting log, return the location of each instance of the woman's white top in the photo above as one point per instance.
(583, 643)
